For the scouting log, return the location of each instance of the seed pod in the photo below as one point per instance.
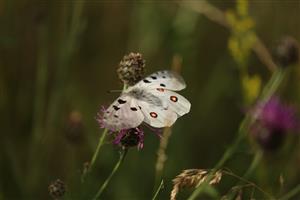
(57, 189)
(131, 68)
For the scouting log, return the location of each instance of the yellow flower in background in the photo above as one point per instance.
(243, 36)
(242, 7)
(251, 87)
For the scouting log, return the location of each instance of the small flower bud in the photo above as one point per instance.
(57, 189)
(131, 68)
(74, 128)
(287, 52)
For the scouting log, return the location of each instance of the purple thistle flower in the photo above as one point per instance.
(130, 137)
(275, 114)
(273, 120)
(100, 118)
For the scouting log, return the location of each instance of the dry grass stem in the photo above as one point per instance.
(161, 153)
(191, 178)
(218, 16)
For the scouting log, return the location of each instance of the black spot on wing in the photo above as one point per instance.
(121, 101)
(116, 116)
(146, 81)
(163, 76)
(154, 77)
(162, 85)
(133, 108)
(116, 107)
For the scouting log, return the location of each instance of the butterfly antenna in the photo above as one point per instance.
(113, 91)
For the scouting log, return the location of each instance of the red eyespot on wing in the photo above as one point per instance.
(173, 98)
(153, 114)
(161, 89)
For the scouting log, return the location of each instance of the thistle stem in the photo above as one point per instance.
(100, 143)
(95, 155)
(158, 189)
(104, 185)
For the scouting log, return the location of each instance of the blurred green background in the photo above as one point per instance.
(58, 59)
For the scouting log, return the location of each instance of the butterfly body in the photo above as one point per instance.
(152, 100)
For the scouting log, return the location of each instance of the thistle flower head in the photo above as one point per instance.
(273, 120)
(57, 189)
(131, 68)
(287, 52)
(130, 137)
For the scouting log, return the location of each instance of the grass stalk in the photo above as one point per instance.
(115, 169)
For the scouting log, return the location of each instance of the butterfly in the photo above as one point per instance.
(151, 100)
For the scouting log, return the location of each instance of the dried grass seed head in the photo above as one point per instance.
(191, 178)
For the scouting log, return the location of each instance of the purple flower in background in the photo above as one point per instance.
(273, 120)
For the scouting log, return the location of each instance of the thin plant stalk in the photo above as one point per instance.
(218, 16)
(163, 145)
(68, 46)
(291, 193)
(249, 182)
(115, 169)
(100, 143)
(267, 93)
(158, 189)
(95, 155)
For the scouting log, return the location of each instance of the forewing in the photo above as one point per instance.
(172, 101)
(163, 79)
(157, 116)
(124, 113)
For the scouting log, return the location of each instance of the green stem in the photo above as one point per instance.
(291, 193)
(100, 143)
(104, 185)
(255, 161)
(158, 189)
(95, 155)
(273, 84)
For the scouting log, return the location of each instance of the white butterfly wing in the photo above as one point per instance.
(157, 116)
(124, 113)
(162, 79)
(172, 100)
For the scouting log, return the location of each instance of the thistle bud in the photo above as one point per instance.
(57, 189)
(74, 127)
(131, 68)
(287, 52)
